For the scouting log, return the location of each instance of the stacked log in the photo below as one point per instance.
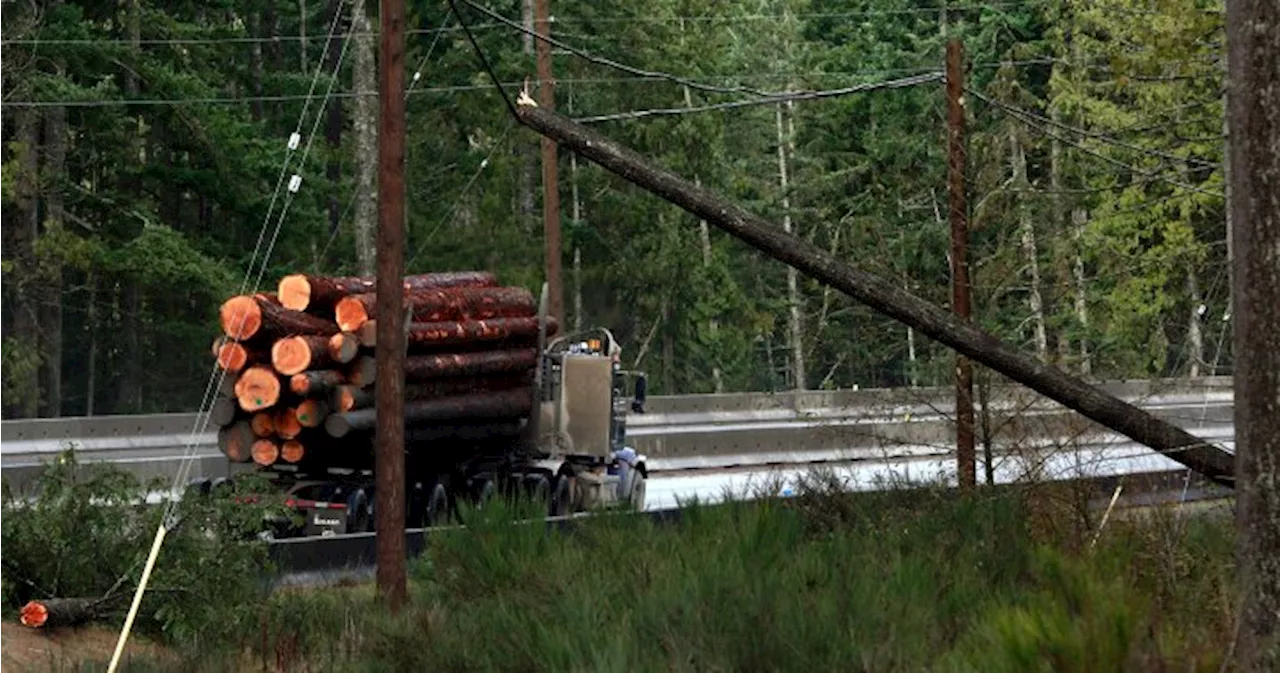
(299, 365)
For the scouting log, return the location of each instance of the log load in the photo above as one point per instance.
(469, 303)
(301, 292)
(298, 368)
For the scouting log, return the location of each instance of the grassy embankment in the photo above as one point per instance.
(904, 581)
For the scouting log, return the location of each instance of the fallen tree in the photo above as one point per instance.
(881, 295)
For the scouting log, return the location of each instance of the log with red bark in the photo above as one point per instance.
(258, 388)
(470, 303)
(48, 613)
(344, 347)
(453, 332)
(296, 354)
(235, 441)
(301, 292)
(259, 317)
(425, 367)
(351, 398)
(316, 383)
(476, 406)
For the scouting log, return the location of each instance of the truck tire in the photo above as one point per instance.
(561, 496)
(437, 505)
(636, 494)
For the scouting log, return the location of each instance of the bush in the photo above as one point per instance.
(88, 531)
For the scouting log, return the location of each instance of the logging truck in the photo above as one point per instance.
(558, 438)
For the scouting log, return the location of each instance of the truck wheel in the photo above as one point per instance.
(561, 496)
(638, 485)
(359, 519)
(437, 505)
(538, 488)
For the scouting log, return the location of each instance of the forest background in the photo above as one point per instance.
(143, 143)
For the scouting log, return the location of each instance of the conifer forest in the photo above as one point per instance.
(145, 180)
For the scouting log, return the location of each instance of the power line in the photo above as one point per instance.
(187, 41)
(806, 95)
(600, 60)
(1098, 155)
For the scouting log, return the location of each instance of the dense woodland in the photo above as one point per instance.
(144, 143)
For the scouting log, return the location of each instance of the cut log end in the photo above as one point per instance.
(294, 292)
(232, 356)
(291, 355)
(241, 317)
(235, 441)
(263, 423)
(287, 425)
(292, 451)
(310, 384)
(265, 452)
(257, 389)
(311, 413)
(369, 334)
(344, 347)
(351, 314)
(350, 398)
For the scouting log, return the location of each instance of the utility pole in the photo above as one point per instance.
(965, 455)
(550, 183)
(1253, 38)
(389, 388)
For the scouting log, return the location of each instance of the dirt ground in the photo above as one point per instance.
(37, 650)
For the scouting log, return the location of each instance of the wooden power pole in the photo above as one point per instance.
(965, 455)
(1253, 38)
(389, 480)
(550, 181)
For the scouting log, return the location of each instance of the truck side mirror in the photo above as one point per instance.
(637, 405)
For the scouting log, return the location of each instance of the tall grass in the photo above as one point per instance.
(900, 581)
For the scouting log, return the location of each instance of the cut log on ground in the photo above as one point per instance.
(235, 441)
(315, 383)
(504, 404)
(258, 388)
(887, 297)
(49, 613)
(424, 367)
(301, 292)
(454, 304)
(257, 317)
(296, 354)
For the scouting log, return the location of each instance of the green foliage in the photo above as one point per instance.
(166, 202)
(86, 532)
(829, 580)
